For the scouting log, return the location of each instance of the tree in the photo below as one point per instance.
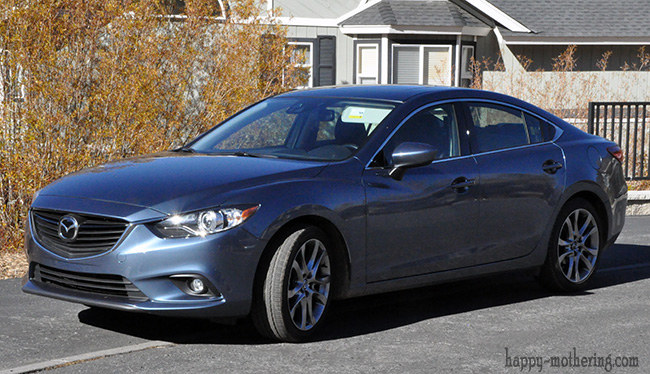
(105, 79)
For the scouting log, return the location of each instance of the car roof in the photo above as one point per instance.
(405, 93)
(399, 93)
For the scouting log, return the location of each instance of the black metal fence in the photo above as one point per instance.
(627, 124)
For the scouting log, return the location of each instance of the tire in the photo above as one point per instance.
(574, 248)
(297, 289)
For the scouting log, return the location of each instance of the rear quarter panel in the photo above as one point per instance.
(591, 168)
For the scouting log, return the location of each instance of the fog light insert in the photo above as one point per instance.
(195, 285)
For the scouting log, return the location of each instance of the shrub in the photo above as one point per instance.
(85, 81)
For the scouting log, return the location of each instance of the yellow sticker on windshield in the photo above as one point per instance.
(356, 113)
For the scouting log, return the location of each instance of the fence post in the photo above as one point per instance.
(590, 121)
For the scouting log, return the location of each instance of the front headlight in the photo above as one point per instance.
(204, 222)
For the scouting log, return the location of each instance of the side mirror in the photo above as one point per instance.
(410, 155)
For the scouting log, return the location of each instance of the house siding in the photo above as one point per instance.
(586, 56)
(344, 48)
(315, 8)
(487, 48)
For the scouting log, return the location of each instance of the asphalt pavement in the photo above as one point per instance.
(502, 324)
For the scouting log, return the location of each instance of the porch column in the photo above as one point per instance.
(384, 60)
(457, 61)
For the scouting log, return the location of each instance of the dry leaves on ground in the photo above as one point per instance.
(12, 264)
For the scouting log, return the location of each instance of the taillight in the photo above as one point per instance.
(617, 152)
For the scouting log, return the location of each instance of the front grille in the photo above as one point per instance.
(102, 284)
(96, 234)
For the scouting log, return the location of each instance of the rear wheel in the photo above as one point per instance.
(574, 247)
(297, 287)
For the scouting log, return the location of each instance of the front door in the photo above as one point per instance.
(427, 221)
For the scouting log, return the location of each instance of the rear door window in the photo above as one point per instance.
(495, 127)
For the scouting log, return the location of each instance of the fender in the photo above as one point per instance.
(593, 189)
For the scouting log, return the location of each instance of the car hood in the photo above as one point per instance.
(173, 182)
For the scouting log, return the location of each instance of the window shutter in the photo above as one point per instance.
(325, 72)
(406, 65)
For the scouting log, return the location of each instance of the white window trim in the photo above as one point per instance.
(421, 60)
(356, 67)
(310, 83)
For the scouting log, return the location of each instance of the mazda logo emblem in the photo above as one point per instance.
(68, 229)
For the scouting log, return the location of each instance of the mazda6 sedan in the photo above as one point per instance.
(331, 193)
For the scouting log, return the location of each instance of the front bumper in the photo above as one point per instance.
(227, 261)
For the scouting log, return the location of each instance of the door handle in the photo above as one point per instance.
(551, 166)
(462, 184)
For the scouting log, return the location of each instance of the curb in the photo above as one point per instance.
(638, 203)
(68, 361)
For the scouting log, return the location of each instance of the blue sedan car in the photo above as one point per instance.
(331, 193)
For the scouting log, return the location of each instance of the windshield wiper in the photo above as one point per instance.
(243, 154)
(185, 149)
(248, 154)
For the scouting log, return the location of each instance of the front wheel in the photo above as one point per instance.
(574, 248)
(297, 287)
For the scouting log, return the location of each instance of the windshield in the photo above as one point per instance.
(326, 129)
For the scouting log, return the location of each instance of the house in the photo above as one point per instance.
(432, 41)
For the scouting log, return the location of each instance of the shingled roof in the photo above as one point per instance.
(440, 13)
(578, 19)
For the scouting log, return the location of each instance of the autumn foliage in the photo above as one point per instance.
(86, 81)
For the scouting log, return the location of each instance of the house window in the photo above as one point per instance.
(302, 57)
(468, 54)
(422, 64)
(367, 64)
(465, 65)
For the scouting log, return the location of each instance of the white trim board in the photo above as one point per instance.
(577, 42)
(357, 10)
(498, 15)
(424, 30)
(305, 21)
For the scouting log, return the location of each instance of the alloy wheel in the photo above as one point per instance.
(309, 284)
(578, 245)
